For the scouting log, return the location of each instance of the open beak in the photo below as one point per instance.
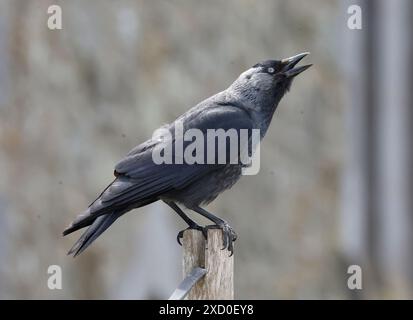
(289, 71)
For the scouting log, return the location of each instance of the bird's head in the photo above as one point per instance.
(269, 80)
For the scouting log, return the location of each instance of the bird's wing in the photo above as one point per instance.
(139, 180)
(146, 178)
(140, 165)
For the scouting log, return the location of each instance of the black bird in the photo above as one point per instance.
(248, 103)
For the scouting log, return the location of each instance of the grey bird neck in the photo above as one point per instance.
(261, 104)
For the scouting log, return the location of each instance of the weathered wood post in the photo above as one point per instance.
(218, 282)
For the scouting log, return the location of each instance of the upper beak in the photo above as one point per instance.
(290, 63)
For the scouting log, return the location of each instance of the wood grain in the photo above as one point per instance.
(218, 283)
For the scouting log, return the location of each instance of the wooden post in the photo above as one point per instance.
(218, 283)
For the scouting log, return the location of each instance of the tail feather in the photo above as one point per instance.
(83, 220)
(87, 217)
(121, 193)
(95, 230)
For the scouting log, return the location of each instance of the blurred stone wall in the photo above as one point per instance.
(74, 101)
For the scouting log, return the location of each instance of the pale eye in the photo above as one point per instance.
(270, 70)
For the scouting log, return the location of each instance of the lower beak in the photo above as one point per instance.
(289, 70)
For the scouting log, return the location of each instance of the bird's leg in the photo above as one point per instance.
(191, 223)
(228, 233)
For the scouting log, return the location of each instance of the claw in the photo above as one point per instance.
(180, 235)
(229, 236)
(225, 240)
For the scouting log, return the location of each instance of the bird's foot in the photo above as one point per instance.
(194, 227)
(229, 235)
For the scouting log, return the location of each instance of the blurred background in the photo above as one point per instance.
(336, 181)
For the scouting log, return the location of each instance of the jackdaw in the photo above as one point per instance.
(248, 103)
